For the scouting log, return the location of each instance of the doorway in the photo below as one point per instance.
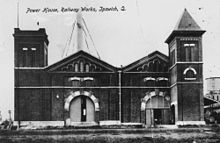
(157, 116)
(82, 109)
(173, 114)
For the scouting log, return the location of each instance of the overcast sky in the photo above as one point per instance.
(121, 37)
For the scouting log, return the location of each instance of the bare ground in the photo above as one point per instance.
(183, 135)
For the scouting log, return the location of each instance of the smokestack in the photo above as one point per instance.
(79, 38)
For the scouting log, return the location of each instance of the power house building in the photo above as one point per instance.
(82, 89)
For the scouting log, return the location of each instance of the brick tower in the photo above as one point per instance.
(186, 71)
(30, 48)
(30, 52)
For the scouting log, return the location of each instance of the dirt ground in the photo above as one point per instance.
(183, 135)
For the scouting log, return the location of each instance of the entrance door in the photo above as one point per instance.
(154, 116)
(157, 111)
(149, 114)
(157, 116)
(82, 110)
(75, 110)
(173, 114)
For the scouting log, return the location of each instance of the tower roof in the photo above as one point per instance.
(186, 22)
(186, 25)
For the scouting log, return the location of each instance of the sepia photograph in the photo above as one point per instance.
(100, 71)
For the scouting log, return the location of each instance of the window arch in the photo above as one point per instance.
(153, 94)
(190, 73)
(88, 81)
(149, 81)
(75, 81)
(162, 81)
(140, 69)
(145, 67)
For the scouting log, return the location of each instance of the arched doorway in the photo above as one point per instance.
(156, 107)
(82, 106)
(157, 111)
(82, 109)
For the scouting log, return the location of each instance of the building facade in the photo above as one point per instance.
(82, 89)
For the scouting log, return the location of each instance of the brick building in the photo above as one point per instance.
(82, 89)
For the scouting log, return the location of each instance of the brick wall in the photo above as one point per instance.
(189, 102)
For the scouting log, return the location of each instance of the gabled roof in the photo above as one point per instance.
(146, 59)
(80, 54)
(186, 25)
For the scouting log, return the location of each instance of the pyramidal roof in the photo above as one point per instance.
(186, 22)
(185, 26)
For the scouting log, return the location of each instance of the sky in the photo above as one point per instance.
(120, 37)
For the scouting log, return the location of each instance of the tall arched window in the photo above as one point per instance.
(150, 65)
(81, 67)
(76, 66)
(87, 67)
(191, 51)
(156, 66)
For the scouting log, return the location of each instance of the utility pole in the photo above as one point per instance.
(9, 112)
(0, 117)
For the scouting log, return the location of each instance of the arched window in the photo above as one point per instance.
(76, 66)
(75, 81)
(81, 67)
(156, 66)
(150, 65)
(88, 81)
(139, 68)
(191, 51)
(87, 67)
(149, 81)
(189, 73)
(92, 67)
(162, 81)
(145, 67)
